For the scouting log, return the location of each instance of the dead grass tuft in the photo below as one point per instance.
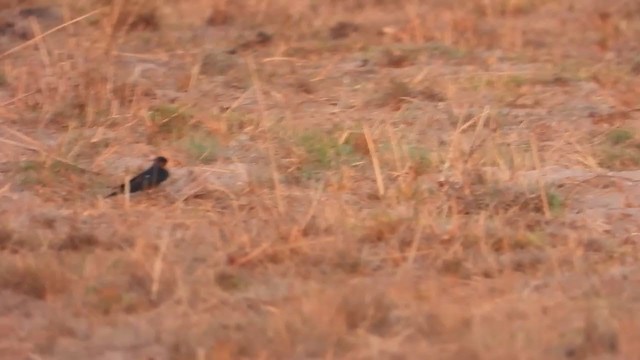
(78, 241)
(619, 150)
(395, 93)
(38, 280)
(133, 15)
(350, 179)
(126, 286)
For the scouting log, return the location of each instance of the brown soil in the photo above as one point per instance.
(355, 179)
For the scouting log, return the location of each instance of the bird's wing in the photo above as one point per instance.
(143, 176)
(138, 177)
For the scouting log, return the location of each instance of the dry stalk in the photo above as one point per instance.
(536, 160)
(374, 160)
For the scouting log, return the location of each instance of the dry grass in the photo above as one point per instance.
(350, 179)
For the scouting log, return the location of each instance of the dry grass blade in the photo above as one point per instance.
(21, 145)
(374, 160)
(475, 143)
(38, 38)
(17, 98)
(275, 177)
(541, 187)
(44, 53)
(257, 86)
(38, 147)
(252, 255)
(158, 266)
(314, 205)
(303, 217)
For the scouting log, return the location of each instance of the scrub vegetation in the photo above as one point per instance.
(352, 179)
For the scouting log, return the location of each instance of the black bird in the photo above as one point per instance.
(147, 179)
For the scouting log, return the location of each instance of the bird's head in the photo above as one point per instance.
(160, 161)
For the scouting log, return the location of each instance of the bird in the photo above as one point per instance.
(150, 178)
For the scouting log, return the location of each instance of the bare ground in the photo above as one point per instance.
(349, 179)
